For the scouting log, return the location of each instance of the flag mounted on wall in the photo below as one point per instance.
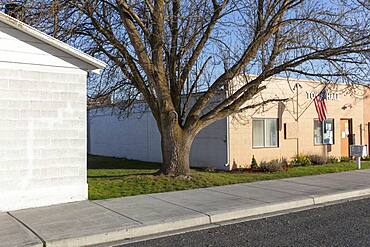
(320, 105)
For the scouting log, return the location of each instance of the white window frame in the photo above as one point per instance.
(264, 132)
(322, 131)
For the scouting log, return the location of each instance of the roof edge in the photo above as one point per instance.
(98, 64)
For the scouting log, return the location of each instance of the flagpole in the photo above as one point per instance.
(322, 112)
(296, 87)
(309, 103)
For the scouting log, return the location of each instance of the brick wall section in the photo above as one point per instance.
(42, 138)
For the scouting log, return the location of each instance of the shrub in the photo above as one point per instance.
(275, 165)
(301, 160)
(254, 163)
(345, 159)
(317, 159)
(333, 160)
(366, 158)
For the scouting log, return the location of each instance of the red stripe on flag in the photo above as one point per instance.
(324, 105)
(320, 107)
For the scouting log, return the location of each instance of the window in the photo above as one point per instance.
(323, 131)
(317, 129)
(265, 132)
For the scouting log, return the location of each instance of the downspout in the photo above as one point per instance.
(228, 162)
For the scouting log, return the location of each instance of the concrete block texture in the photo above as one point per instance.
(42, 138)
(13, 233)
(47, 192)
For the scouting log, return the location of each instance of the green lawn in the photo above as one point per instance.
(112, 177)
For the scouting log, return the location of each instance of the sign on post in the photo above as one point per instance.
(358, 151)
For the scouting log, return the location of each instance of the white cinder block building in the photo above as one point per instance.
(43, 118)
(137, 137)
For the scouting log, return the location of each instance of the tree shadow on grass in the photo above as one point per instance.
(117, 177)
(101, 162)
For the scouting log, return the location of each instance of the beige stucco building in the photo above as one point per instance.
(268, 132)
(291, 127)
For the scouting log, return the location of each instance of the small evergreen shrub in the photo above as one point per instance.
(254, 163)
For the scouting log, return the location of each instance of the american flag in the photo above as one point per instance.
(320, 105)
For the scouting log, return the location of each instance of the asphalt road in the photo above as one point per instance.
(346, 224)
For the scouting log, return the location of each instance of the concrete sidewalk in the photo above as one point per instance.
(95, 222)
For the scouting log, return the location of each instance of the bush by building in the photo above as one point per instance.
(301, 160)
(275, 165)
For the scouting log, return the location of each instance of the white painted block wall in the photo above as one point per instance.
(43, 123)
(42, 138)
(137, 137)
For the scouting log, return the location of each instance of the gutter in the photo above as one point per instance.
(228, 163)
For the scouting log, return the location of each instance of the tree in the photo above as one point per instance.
(165, 51)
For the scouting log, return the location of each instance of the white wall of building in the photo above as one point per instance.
(20, 50)
(42, 123)
(137, 137)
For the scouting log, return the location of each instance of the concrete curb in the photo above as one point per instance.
(269, 208)
(128, 233)
(145, 230)
(341, 196)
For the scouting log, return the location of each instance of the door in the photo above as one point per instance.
(345, 135)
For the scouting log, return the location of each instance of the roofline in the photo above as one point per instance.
(299, 80)
(98, 64)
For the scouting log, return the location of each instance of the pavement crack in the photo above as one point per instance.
(29, 228)
(194, 210)
(141, 223)
(249, 198)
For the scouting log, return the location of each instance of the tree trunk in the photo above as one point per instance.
(176, 144)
